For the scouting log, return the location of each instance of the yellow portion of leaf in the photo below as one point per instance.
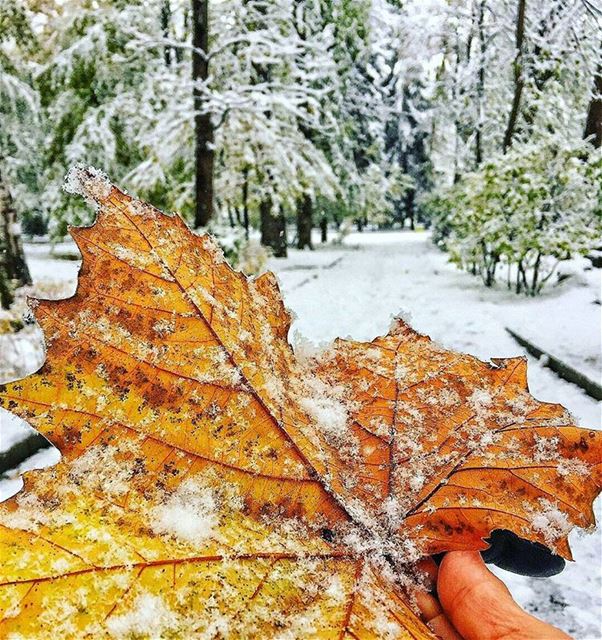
(76, 564)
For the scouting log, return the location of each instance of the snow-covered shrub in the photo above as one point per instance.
(538, 204)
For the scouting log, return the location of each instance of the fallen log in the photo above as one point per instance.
(563, 370)
(21, 450)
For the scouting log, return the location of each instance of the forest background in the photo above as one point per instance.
(261, 120)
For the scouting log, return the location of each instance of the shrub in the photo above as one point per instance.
(538, 204)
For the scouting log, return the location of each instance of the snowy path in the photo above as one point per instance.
(354, 290)
(382, 274)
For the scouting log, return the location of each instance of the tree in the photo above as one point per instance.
(19, 108)
(265, 96)
(13, 264)
(593, 122)
(272, 131)
(273, 228)
(526, 210)
(304, 222)
(203, 147)
(479, 17)
(519, 81)
(92, 73)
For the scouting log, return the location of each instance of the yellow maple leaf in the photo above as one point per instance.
(212, 484)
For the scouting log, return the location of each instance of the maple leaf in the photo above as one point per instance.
(213, 484)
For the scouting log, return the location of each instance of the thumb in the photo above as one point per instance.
(480, 606)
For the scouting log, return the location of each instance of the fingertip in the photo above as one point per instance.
(468, 591)
(480, 605)
(464, 574)
(443, 628)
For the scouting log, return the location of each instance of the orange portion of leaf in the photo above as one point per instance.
(212, 484)
(470, 450)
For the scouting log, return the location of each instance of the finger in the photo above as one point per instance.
(443, 628)
(480, 606)
(425, 599)
(430, 609)
(428, 571)
(433, 615)
(429, 606)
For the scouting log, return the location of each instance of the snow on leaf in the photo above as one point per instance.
(214, 485)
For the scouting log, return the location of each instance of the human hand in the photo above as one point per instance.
(473, 604)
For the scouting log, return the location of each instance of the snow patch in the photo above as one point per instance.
(149, 617)
(211, 245)
(101, 468)
(551, 522)
(329, 408)
(89, 182)
(307, 350)
(190, 514)
(480, 399)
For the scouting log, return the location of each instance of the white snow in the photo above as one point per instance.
(327, 408)
(89, 182)
(552, 522)
(190, 514)
(149, 616)
(12, 430)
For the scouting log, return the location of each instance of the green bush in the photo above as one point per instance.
(526, 210)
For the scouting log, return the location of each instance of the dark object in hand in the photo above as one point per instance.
(508, 551)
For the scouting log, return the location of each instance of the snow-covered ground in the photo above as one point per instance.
(355, 289)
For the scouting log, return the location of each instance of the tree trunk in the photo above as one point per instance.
(245, 202)
(305, 204)
(13, 267)
(459, 128)
(203, 147)
(304, 222)
(6, 292)
(323, 229)
(480, 82)
(165, 20)
(593, 124)
(519, 81)
(273, 228)
(409, 207)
